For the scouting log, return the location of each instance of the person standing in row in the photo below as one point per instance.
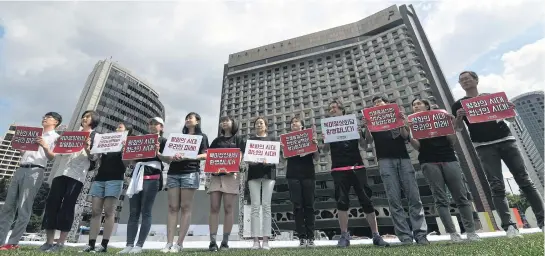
(494, 143)
(346, 160)
(224, 185)
(146, 181)
(183, 179)
(302, 185)
(397, 173)
(66, 187)
(261, 180)
(442, 170)
(105, 191)
(26, 182)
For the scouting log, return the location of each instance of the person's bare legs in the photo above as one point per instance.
(343, 220)
(173, 209)
(213, 219)
(228, 219)
(186, 197)
(109, 217)
(50, 236)
(372, 220)
(62, 237)
(97, 205)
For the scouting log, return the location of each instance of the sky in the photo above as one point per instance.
(47, 49)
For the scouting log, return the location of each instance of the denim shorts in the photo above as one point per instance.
(188, 180)
(110, 188)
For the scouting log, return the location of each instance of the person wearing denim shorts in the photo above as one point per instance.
(105, 190)
(183, 179)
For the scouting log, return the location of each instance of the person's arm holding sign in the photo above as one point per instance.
(459, 121)
(47, 150)
(203, 148)
(405, 131)
(414, 142)
(366, 133)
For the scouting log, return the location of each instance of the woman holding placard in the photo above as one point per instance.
(261, 180)
(182, 182)
(105, 190)
(224, 185)
(143, 188)
(442, 170)
(302, 183)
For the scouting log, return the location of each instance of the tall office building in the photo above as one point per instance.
(117, 95)
(386, 54)
(9, 157)
(528, 149)
(529, 107)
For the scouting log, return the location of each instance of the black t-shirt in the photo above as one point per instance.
(486, 131)
(259, 170)
(345, 153)
(111, 167)
(301, 167)
(150, 170)
(235, 141)
(189, 166)
(436, 150)
(388, 147)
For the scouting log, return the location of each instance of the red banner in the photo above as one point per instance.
(222, 160)
(25, 138)
(140, 147)
(383, 118)
(488, 108)
(70, 142)
(298, 143)
(430, 124)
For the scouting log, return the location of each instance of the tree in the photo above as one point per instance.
(518, 201)
(39, 201)
(35, 224)
(4, 185)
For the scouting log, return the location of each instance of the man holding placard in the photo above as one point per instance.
(494, 142)
(346, 160)
(397, 173)
(26, 182)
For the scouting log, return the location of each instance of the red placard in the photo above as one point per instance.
(488, 108)
(298, 143)
(140, 147)
(383, 118)
(430, 124)
(222, 160)
(70, 142)
(25, 138)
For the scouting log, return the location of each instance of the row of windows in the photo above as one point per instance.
(140, 90)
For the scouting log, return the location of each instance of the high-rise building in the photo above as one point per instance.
(385, 54)
(9, 157)
(529, 108)
(532, 160)
(117, 95)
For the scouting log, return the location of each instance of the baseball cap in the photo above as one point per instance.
(158, 120)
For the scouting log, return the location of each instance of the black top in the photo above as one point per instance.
(345, 153)
(301, 167)
(189, 166)
(150, 170)
(259, 170)
(235, 141)
(486, 131)
(388, 147)
(436, 150)
(111, 167)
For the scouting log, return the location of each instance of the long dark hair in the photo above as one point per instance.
(95, 118)
(234, 127)
(264, 121)
(128, 127)
(198, 129)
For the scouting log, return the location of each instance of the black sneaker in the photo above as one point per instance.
(302, 242)
(310, 242)
(88, 248)
(422, 241)
(379, 241)
(224, 246)
(213, 247)
(343, 242)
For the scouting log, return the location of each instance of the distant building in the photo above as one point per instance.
(530, 109)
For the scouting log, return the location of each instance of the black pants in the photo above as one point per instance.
(343, 181)
(61, 203)
(302, 197)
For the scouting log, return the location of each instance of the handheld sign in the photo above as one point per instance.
(430, 124)
(340, 128)
(109, 142)
(70, 142)
(222, 160)
(486, 108)
(185, 144)
(298, 143)
(258, 151)
(25, 138)
(140, 147)
(383, 118)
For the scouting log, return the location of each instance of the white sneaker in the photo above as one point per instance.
(136, 249)
(473, 237)
(126, 250)
(512, 232)
(175, 248)
(256, 246)
(167, 248)
(265, 246)
(455, 237)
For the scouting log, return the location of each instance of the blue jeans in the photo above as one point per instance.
(141, 204)
(103, 189)
(398, 174)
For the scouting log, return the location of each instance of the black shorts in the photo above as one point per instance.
(344, 180)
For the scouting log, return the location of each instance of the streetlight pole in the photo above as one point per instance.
(509, 184)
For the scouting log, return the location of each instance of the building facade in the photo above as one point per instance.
(528, 148)
(117, 95)
(9, 157)
(529, 108)
(385, 54)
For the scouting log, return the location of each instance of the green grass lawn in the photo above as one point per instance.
(531, 244)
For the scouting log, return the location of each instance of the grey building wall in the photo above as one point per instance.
(532, 158)
(529, 107)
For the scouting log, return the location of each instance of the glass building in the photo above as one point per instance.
(530, 109)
